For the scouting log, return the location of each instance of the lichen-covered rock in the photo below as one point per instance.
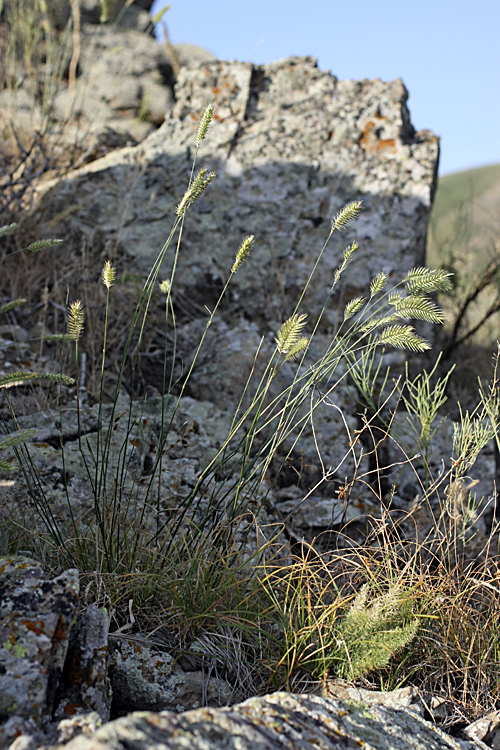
(85, 684)
(144, 678)
(291, 144)
(487, 729)
(276, 722)
(37, 614)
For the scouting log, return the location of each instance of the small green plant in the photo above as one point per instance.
(324, 636)
(372, 632)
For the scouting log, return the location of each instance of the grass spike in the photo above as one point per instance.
(346, 215)
(353, 307)
(424, 280)
(403, 337)
(243, 252)
(205, 121)
(75, 320)
(289, 333)
(108, 274)
(35, 247)
(8, 229)
(378, 284)
(297, 349)
(419, 308)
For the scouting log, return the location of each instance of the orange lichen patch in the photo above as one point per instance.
(216, 90)
(388, 143)
(370, 142)
(61, 630)
(37, 626)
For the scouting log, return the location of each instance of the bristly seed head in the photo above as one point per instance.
(108, 274)
(243, 252)
(41, 245)
(346, 214)
(194, 191)
(75, 320)
(378, 284)
(297, 349)
(205, 121)
(289, 333)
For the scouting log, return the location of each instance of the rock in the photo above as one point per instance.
(125, 84)
(487, 729)
(191, 55)
(291, 145)
(280, 721)
(146, 679)
(401, 698)
(85, 685)
(85, 724)
(135, 16)
(37, 615)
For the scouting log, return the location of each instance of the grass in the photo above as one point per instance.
(412, 601)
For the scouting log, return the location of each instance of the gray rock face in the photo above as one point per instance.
(146, 679)
(278, 721)
(291, 145)
(85, 685)
(37, 615)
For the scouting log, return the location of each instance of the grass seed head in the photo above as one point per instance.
(243, 252)
(205, 121)
(75, 320)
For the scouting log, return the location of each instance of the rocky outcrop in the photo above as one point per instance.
(280, 721)
(291, 145)
(37, 615)
(57, 677)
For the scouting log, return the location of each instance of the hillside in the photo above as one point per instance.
(466, 212)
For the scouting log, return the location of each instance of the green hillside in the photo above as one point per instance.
(464, 237)
(466, 213)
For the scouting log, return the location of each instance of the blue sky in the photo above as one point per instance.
(447, 53)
